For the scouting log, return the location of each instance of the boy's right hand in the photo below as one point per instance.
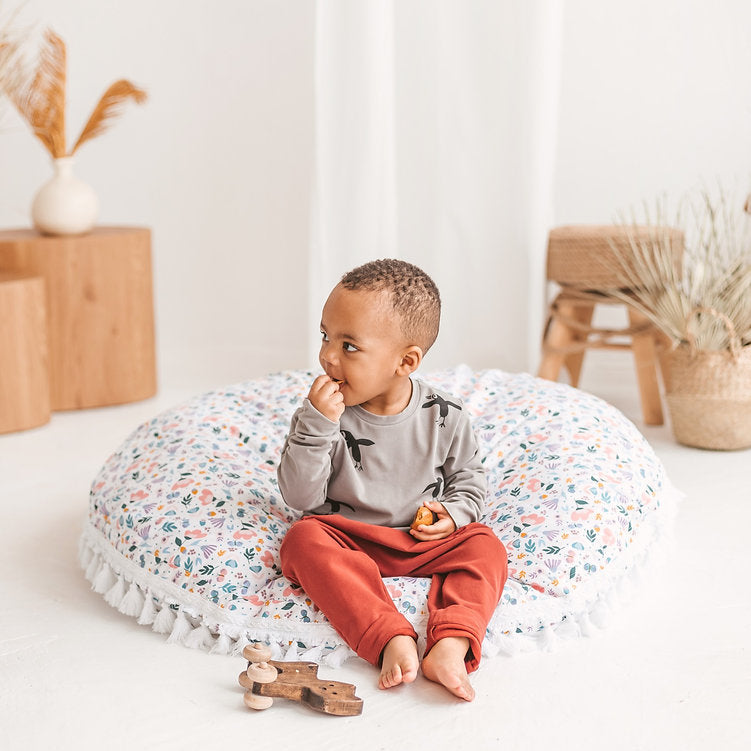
(326, 397)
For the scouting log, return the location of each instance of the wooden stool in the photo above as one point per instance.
(584, 259)
(24, 375)
(100, 318)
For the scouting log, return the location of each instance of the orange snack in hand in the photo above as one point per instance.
(423, 516)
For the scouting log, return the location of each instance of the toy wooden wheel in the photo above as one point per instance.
(257, 652)
(261, 672)
(257, 702)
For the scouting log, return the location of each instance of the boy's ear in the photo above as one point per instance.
(411, 359)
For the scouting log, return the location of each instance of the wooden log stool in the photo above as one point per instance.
(585, 261)
(24, 374)
(100, 318)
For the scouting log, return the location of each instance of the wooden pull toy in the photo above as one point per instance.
(266, 679)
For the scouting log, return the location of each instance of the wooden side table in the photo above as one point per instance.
(24, 377)
(100, 316)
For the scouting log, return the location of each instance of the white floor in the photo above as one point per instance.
(672, 671)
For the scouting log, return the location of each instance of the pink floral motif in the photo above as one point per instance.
(394, 591)
(267, 559)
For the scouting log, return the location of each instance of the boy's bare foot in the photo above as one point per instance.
(400, 662)
(444, 664)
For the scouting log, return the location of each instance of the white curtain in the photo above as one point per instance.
(435, 142)
(355, 190)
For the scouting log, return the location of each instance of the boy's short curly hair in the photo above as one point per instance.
(414, 296)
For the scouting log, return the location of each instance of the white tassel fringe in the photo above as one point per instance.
(104, 579)
(199, 638)
(559, 617)
(164, 620)
(132, 603)
(114, 595)
(148, 612)
(223, 644)
(180, 629)
(93, 567)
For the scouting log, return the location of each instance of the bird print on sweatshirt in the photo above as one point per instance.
(336, 506)
(443, 407)
(435, 487)
(353, 444)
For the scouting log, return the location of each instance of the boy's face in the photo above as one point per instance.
(363, 347)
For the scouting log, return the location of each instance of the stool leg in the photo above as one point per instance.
(582, 313)
(645, 355)
(555, 345)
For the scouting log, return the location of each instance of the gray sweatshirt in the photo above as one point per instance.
(379, 469)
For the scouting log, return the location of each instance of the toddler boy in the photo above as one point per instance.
(370, 445)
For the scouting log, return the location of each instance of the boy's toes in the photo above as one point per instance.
(399, 662)
(445, 664)
(390, 678)
(462, 688)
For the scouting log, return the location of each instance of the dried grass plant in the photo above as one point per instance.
(705, 301)
(41, 100)
(11, 46)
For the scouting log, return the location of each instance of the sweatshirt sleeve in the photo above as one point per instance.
(464, 477)
(305, 463)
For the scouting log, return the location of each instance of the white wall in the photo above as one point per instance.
(654, 103)
(654, 96)
(218, 162)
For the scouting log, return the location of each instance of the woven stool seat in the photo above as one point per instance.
(597, 256)
(583, 260)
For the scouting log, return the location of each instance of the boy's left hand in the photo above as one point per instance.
(443, 527)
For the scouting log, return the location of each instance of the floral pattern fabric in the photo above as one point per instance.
(188, 508)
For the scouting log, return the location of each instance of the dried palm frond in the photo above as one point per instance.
(41, 101)
(108, 108)
(12, 70)
(707, 299)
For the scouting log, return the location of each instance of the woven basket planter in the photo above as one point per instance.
(709, 397)
(592, 256)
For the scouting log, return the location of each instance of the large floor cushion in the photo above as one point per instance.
(186, 518)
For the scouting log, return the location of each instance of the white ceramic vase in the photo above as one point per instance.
(64, 205)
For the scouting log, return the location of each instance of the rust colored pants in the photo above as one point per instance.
(339, 563)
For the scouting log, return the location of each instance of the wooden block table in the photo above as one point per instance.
(100, 317)
(24, 377)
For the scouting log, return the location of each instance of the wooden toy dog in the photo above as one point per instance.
(267, 679)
